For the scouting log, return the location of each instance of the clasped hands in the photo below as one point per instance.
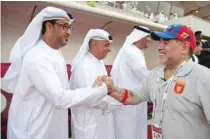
(107, 80)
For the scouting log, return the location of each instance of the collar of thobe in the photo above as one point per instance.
(137, 49)
(93, 57)
(96, 34)
(49, 49)
(28, 40)
(98, 63)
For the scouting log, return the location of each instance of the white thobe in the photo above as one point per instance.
(94, 121)
(39, 107)
(161, 18)
(130, 121)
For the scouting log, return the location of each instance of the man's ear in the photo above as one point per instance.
(95, 42)
(92, 44)
(49, 26)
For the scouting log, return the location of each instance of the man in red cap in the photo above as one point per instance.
(179, 88)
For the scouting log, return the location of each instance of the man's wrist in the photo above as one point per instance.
(114, 89)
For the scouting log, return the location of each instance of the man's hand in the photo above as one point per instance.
(99, 81)
(107, 80)
(116, 92)
(110, 85)
(104, 79)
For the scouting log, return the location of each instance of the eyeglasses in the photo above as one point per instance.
(65, 26)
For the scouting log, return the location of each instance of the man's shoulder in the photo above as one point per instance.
(201, 72)
(156, 70)
(132, 52)
(80, 65)
(35, 55)
(84, 63)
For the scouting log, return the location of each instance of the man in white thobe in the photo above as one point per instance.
(128, 71)
(38, 78)
(161, 17)
(94, 121)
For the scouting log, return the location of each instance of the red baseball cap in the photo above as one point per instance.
(176, 31)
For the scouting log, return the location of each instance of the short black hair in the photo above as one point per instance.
(90, 42)
(44, 25)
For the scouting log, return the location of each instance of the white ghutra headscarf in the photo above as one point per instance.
(137, 34)
(95, 34)
(27, 41)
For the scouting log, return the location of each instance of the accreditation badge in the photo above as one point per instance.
(179, 87)
(156, 132)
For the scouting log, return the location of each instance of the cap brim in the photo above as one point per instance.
(158, 35)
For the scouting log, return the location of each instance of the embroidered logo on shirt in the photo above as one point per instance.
(179, 87)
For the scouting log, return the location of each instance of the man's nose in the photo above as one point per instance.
(160, 45)
(149, 39)
(69, 31)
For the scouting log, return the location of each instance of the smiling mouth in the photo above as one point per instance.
(66, 38)
(161, 54)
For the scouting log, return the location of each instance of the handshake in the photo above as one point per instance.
(119, 94)
(106, 80)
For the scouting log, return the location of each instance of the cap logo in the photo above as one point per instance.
(184, 35)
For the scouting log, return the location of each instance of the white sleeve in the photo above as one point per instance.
(82, 78)
(46, 81)
(107, 104)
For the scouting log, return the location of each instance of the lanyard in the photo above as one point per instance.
(165, 95)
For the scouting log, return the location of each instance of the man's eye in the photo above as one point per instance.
(66, 25)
